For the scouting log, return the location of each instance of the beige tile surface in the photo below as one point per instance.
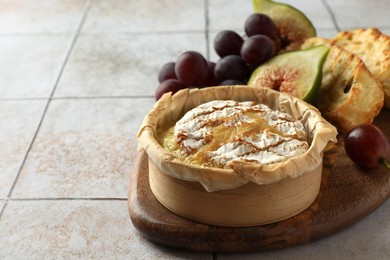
(25, 16)
(122, 64)
(360, 13)
(221, 16)
(386, 30)
(30, 64)
(140, 16)
(18, 123)
(327, 33)
(78, 229)
(85, 148)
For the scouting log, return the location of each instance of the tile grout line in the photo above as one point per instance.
(103, 33)
(103, 97)
(67, 55)
(206, 29)
(332, 15)
(74, 97)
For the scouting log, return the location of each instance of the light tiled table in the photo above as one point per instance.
(76, 79)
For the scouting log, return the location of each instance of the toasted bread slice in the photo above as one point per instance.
(372, 46)
(349, 94)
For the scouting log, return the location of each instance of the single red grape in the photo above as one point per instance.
(210, 79)
(261, 24)
(227, 43)
(191, 68)
(169, 85)
(232, 67)
(167, 71)
(367, 146)
(257, 49)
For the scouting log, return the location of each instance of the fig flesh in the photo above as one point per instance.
(298, 73)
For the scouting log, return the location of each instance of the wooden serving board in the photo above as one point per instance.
(348, 193)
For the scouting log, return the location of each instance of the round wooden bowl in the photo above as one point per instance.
(247, 194)
(247, 205)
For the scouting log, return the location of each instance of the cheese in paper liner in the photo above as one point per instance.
(170, 108)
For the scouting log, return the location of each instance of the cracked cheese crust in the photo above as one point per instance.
(219, 132)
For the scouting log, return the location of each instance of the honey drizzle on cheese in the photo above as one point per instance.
(218, 132)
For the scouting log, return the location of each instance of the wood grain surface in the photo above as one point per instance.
(347, 194)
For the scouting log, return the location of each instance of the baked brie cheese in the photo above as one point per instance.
(220, 132)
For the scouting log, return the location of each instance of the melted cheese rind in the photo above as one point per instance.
(219, 132)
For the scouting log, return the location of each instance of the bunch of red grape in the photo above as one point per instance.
(239, 56)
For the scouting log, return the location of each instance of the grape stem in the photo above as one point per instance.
(384, 162)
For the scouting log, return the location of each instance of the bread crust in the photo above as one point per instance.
(350, 94)
(371, 46)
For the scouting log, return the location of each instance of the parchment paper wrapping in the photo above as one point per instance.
(170, 108)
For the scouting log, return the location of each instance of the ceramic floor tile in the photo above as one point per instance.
(76, 230)
(85, 148)
(221, 16)
(141, 16)
(25, 16)
(386, 30)
(18, 123)
(327, 33)
(353, 13)
(367, 239)
(30, 65)
(122, 64)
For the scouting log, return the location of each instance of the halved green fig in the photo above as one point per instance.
(298, 73)
(294, 27)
